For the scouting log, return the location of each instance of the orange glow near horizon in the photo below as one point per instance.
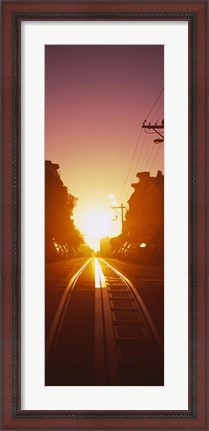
(96, 100)
(96, 223)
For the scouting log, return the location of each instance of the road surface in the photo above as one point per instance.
(104, 323)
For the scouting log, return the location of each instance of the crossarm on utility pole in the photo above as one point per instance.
(154, 127)
(121, 208)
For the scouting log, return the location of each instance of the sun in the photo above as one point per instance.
(95, 223)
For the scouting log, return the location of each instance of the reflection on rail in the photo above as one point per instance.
(102, 333)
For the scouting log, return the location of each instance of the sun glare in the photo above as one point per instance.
(111, 196)
(95, 223)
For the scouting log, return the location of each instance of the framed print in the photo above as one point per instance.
(104, 215)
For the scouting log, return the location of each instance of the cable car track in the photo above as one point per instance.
(124, 347)
(61, 310)
(128, 327)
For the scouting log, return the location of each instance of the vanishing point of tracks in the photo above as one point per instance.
(102, 333)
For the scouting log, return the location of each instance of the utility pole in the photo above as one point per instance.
(156, 127)
(120, 208)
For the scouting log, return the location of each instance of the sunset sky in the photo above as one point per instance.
(96, 100)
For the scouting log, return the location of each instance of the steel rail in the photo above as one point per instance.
(59, 316)
(139, 300)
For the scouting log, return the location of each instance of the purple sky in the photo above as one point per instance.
(96, 100)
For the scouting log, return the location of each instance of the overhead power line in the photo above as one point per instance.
(155, 157)
(135, 168)
(159, 108)
(149, 130)
(136, 165)
(154, 104)
(130, 166)
(147, 163)
(147, 150)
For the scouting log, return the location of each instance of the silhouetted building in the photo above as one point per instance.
(52, 168)
(105, 246)
(145, 217)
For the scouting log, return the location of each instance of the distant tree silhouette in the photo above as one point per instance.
(59, 205)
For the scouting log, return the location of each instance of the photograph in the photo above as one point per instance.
(104, 215)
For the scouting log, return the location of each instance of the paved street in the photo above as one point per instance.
(104, 323)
